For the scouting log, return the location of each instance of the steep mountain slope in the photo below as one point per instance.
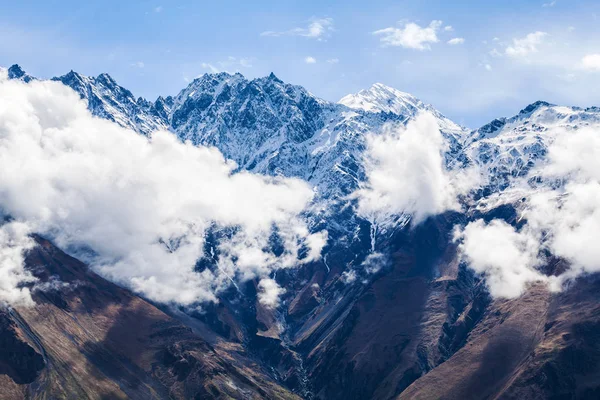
(380, 98)
(88, 338)
(106, 99)
(507, 148)
(537, 346)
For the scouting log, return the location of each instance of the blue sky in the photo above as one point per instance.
(506, 54)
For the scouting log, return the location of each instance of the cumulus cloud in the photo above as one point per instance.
(374, 262)
(570, 215)
(591, 62)
(348, 277)
(455, 41)
(410, 35)
(137, 209)
(14, 243)
(406, 173)
(522, 47)
(318, 28)
(506, 258)
(269, 293)
(310, 60)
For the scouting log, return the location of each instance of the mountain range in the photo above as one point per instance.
(422, 325)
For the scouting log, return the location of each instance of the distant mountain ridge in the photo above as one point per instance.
(267, 126)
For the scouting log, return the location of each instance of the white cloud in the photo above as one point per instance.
(487, 67)
(230, 65)
(406, 173)
(571, 215)
(375, 262)
(505, 257)
(14, 243)
(526, 45)
(591, 62)
(549, 4)
(563, 219)
(269, 293)
(348, 277)
(455, 41)
(333, 61)
(318, 28)
(245, 62)
(233, 64)
(448, 28)
(310, 60)
(139, 207)
(495, 53)
(138, 64)
(211, 68)
(410, 36)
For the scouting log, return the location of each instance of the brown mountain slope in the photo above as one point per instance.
(375, 339)
(88, 338)
(539, 346)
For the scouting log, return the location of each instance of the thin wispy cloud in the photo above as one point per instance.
(234, 64)
(230, 65)
(549, 4)
(211, 68)
(455, 41)
(410, 35)
(317, 28)
(522, 47)
(495, 53)
(333, 61)
(591, 62)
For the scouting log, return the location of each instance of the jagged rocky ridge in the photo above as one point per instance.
(423, 326)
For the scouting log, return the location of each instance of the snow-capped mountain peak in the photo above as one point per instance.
(16, 72)
(382, 98)
(508, 148)
(107, 99)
